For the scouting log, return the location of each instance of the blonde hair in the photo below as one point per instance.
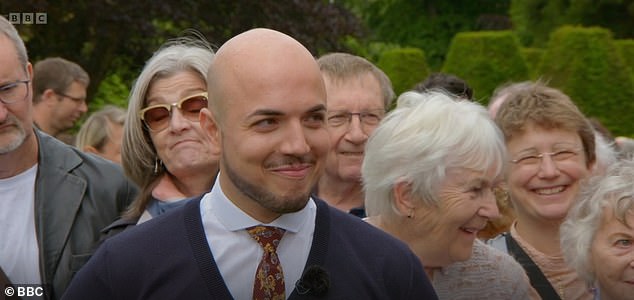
(96, 130)
(547, 108)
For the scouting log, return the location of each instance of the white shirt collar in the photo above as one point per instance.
(234, 219)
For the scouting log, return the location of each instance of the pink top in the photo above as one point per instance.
(564, 279)
(489, 274)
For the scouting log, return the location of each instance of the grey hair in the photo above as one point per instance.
(423, 137)
(96, 130)
(189, 54)
(340, 67)
(605, 152)
(613, 191)
(12, 34)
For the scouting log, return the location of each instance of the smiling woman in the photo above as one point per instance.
(552, 149)
(429, 172)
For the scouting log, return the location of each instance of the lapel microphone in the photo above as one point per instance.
(315, 281)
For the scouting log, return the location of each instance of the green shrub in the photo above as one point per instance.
(532, 57)
(585, 64)
(369, 50)
(112, 90)
(486, 59)
(626, 49)
(404, 66)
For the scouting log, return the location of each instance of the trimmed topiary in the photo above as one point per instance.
(486, 59)
(404, 66)
(626, 49)
(532, 57)
(585, 64)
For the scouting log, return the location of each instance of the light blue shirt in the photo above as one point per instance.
(237, 255)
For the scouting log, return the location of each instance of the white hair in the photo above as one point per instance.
(605, 153)
(417, 142)
(611, 191)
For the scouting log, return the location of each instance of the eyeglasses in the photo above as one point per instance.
(368, 117)
(156, 117)
(556, 156)
(76, 99)
(14, 91)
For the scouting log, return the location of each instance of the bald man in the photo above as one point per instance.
(267, 117)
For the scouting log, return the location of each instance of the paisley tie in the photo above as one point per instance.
(269, 278)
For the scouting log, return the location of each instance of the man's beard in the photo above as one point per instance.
(264, 198)
(17, 140)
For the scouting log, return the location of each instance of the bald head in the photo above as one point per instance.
(268, 119)
(257, 60)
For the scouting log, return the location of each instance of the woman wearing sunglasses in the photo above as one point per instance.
(165, 151)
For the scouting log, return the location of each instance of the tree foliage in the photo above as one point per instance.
(427, 24)
(626, 49)
(405, 67)
(534, 20)
(116, 37)
(532, 57)
(595, 77)
(486, 59)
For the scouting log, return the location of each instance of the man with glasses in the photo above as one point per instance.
(359, 95)
(54, 199)
(59, 95)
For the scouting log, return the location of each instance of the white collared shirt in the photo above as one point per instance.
(237, 255)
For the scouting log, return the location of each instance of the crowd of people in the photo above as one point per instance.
(258, 171)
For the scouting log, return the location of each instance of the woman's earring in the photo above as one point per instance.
(156, 165)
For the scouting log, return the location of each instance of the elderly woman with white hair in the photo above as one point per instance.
(429, 173)
(597, 236)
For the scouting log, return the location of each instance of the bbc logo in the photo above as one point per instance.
(28, 18)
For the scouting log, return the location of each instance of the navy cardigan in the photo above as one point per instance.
(169, 258)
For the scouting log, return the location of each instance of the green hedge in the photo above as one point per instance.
(585, 63)
(486, 59)
(111, 91)
(626, 49)
(404, 66)
(532, 57)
